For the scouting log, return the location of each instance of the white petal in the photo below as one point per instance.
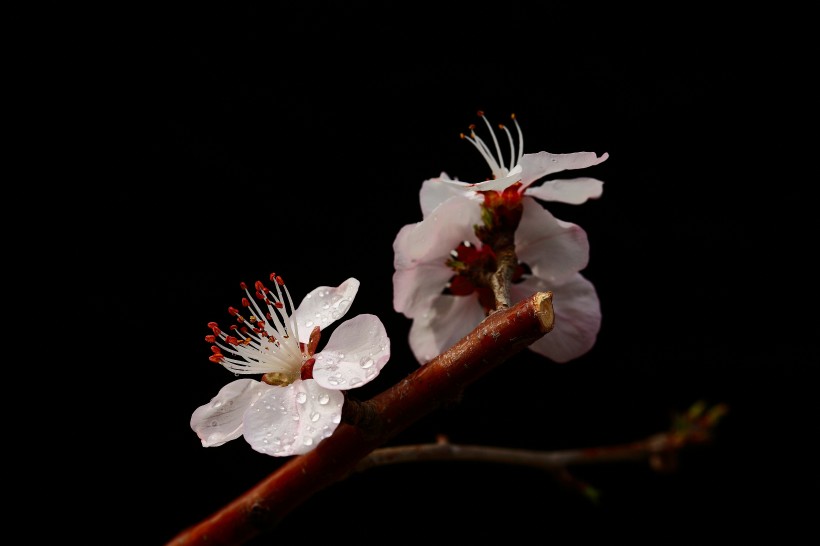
(446, 321)
(220, 420)
(555, 250)
(323, 306)
(292, 420)
(577, 317)
(355, 353)
(536, 166)
(436, 191)
(572, 190)
(423, 249)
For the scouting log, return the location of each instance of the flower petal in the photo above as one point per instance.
(422, 250)
(436, 191)
(537, 166)
(446, 321)
(323, 306)
(577, 316)
(292, 420)
(553, 249)
(220, 420)
(571, 190)
(355, 353)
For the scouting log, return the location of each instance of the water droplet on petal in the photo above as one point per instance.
(314, 416)
(309, 323)
(301, 397)
(324, 398)
(308, 441)
(337, 418)
(355, 381)
(366, 363)
(217, 404)
(295, 416)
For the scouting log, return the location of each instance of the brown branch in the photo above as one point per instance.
(661, 443)
(492, 342)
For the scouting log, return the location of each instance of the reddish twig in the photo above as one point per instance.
(501, 335)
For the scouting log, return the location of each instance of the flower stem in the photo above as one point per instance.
(497, 338)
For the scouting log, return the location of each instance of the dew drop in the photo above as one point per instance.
(308, 441)
(309, 323)
(355, 381)
(295, 416)
(366, 363)
(217, 404)
(337, 418)
(332, 380)
(314, 416)
(301, 397)
(324, 399)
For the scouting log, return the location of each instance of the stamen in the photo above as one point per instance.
(495, 140)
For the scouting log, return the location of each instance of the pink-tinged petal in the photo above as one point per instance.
(571, 190)
(422, 250)
(537, 166)
(436, 191)
(497, 184)
(292, 420)
(448, 319)
(323, 306)
(355, 353)
(577, 317)
(220, 420)
(414, 288)
(553, 249)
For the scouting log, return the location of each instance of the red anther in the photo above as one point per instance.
(244, 330)
(268, 316)
(501, 126)
(216, 350)
(240, 319)
(512, 116)
(462, 135)
(232, 340)
(259, 295)
(481, 113)
(243, 286)
(259, 286)
(273, 276)
(233, 311)
(216, 330)
(234, 327)
(246, 302)
(216, 358)
(212, 325)
(210, 339)
(471, 127)
(307, 369)
(279, 281)
(278, 305)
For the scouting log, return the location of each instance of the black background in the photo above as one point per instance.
(295, 139)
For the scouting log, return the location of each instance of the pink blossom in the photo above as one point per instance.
(299, 400)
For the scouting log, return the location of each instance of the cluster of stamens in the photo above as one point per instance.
(266, 342)
(497, 163)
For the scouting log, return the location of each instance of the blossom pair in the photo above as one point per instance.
(440, 261)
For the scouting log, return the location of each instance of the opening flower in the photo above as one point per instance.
(442, 264)
(519, 167)
(299, 399)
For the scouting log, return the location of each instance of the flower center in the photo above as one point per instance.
(267, 341)
(496, 162)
